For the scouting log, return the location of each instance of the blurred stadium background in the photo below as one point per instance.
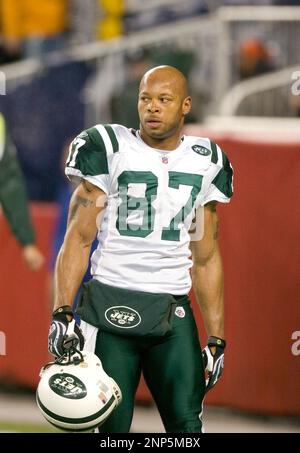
(72, 64)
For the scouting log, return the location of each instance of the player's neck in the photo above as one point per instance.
(168, 143)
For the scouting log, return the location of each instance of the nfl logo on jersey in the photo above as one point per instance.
(164, 160)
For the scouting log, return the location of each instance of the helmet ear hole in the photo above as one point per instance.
(77, 395)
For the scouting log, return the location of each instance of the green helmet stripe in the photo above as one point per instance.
(76, 421)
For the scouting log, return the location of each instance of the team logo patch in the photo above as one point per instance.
(201, 150)
(180, 312)
(67, 386)
(123, 317)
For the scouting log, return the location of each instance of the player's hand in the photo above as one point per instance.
(64, 333)
(33, 257)
(213, 358)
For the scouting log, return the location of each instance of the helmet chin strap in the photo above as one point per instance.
(71, 338)
(71, 356)
(72, 353)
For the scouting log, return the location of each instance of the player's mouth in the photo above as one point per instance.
(153, 124)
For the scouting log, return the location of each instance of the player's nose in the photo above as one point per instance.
(153, 106)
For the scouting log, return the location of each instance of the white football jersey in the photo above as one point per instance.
(152, 197)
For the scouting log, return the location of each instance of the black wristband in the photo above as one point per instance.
(215, 341)
(64, 310)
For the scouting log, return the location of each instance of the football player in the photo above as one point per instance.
(13, 200)
(142, 190)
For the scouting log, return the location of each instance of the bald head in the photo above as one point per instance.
(163, 104)
(167, 75)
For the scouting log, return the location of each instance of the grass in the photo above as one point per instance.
(27, 428)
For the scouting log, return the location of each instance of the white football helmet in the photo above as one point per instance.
(75, 393)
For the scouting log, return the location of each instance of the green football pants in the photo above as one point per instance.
(173, 370)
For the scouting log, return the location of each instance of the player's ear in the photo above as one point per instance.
(186, 105)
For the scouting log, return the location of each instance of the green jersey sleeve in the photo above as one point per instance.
(87, 159)
(220, 187)
(13, 196)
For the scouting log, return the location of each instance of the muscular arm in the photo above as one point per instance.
(86, 204)
(207, 274)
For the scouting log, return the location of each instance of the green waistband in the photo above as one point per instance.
(182, 299)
